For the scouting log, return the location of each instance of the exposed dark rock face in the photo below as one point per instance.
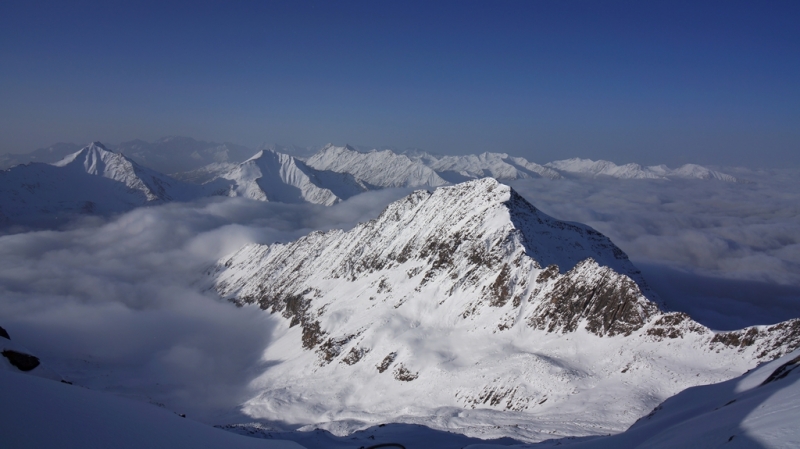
(312, 335)
(387, 362)
(403, 374)
(783, 370)
(332, 347)
(770, 342)
(4, 334)
(355, 355)
(610, 303)
(25, 362)
(674, 325)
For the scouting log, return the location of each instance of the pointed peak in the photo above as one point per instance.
(98, 144)
(92, 148)
(256, 156)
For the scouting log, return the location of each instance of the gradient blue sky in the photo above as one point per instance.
(645, 81)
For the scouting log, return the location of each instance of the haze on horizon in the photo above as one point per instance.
(672, 82)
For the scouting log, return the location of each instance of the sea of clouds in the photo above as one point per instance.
(726, 253)
(120, 303)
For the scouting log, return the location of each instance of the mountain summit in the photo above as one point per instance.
(96, 160)
(273, 176)
(471, 299)
(91, 180)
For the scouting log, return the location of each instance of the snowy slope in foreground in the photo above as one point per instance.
(760, 409)
(41, 413)
(41, 410)
(271, 176)
(468, 310)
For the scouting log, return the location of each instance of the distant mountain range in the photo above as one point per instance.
(64, 181)
(177, 155)
(166, 155)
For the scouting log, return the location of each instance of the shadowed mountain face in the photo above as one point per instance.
(470, 298)
(92, 180)
(271, 176)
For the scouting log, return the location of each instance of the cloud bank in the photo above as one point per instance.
(686, 235)
(119, 303)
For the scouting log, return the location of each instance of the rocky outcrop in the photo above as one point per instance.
(607, 302)
(24, 362)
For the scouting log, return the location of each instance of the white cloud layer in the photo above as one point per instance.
(688, 235)
(119, 304)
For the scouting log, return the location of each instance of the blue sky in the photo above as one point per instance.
(651, 82)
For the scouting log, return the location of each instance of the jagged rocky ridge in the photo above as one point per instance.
(471, 298)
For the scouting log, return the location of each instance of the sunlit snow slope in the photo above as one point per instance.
(468, 309)
(377, 168)
(760, 409)
(272, 176)
(421, 169)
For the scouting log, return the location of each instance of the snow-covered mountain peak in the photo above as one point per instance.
(273, 176)
(377, 168)
(89, 155)
(497, 165)
(635, 171)
(90, 180)
(469, 297)
(95, 159)
(700, 172)
(259, 155)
